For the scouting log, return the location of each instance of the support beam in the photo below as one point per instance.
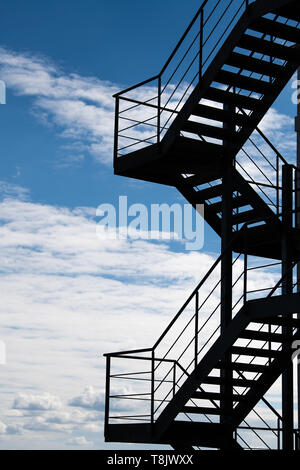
(226, 403)
(297, 206)
(287, 289)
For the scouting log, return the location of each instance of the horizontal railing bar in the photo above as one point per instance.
(137, 378)
(131, 419)
(144, 82)
(257, 183)
(258, 290)
(137, 123)
(129, 416)
(130, 373)
(120, 353)
(258, 428)
(129, 395)
(263, 266)
(144, 103)
(139, 103)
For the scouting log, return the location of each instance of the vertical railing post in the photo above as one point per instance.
(287, 289)
(174, 379)
(246, 4)
(201, 44)
(107, 394)
(196, 327)
(116, 130)
(158, 108)
(278, 434)
(277, 185)
(152, 384)
(245, 275)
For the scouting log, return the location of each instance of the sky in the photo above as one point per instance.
(69, 296)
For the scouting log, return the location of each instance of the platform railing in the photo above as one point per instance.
(151, 376)
(145, 111)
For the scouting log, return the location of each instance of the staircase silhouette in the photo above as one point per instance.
(194, 126)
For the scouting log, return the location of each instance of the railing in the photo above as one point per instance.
(152, 376)
(144, 112)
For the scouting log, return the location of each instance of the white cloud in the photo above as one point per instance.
(79, 441)
(44, 401)
(90, 398)
(81, 107)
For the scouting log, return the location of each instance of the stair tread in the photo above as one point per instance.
(244, 82)
(223, 96)
(207, 130)
(262, 336)
(289, 11)
(267, 47)
(280, 321)
(280, 30)
(209, 193)
(237, 201)
(214, 396)
(219, 114)
(255, 65)
(245, 216)
(201, 410)
(250, 351)
(241, 366)
(210, 380)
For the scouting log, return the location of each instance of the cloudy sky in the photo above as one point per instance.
(66, 295)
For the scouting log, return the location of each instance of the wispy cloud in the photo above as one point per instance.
(81, 108)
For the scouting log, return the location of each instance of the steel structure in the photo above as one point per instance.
(194, 126)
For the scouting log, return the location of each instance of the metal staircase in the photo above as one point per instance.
(194, 126)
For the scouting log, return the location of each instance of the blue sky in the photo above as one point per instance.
(66, 296)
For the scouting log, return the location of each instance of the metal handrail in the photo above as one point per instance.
(205, 14)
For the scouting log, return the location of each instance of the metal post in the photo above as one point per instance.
(107, 394)
(226, 402)
(116, 130)
(297, 206)
(278, 434)
(158, 108)
(152, 385)
(245, 276)
(201, 44)
(196, 327)
(174, 379)
(287, 288)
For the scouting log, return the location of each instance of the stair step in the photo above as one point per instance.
(209, 131)
(201, 410)
(241, 366)
(280, 321)
(235, 382)
(268, 48)
(209, 193)
(237, 201)
(217, 114)
(241, 81)
(245, 216)
(215, 396)
(255, 352)
(255, 65)
(263, 336)
(290, 11)
(279, 30)
(223, 96)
